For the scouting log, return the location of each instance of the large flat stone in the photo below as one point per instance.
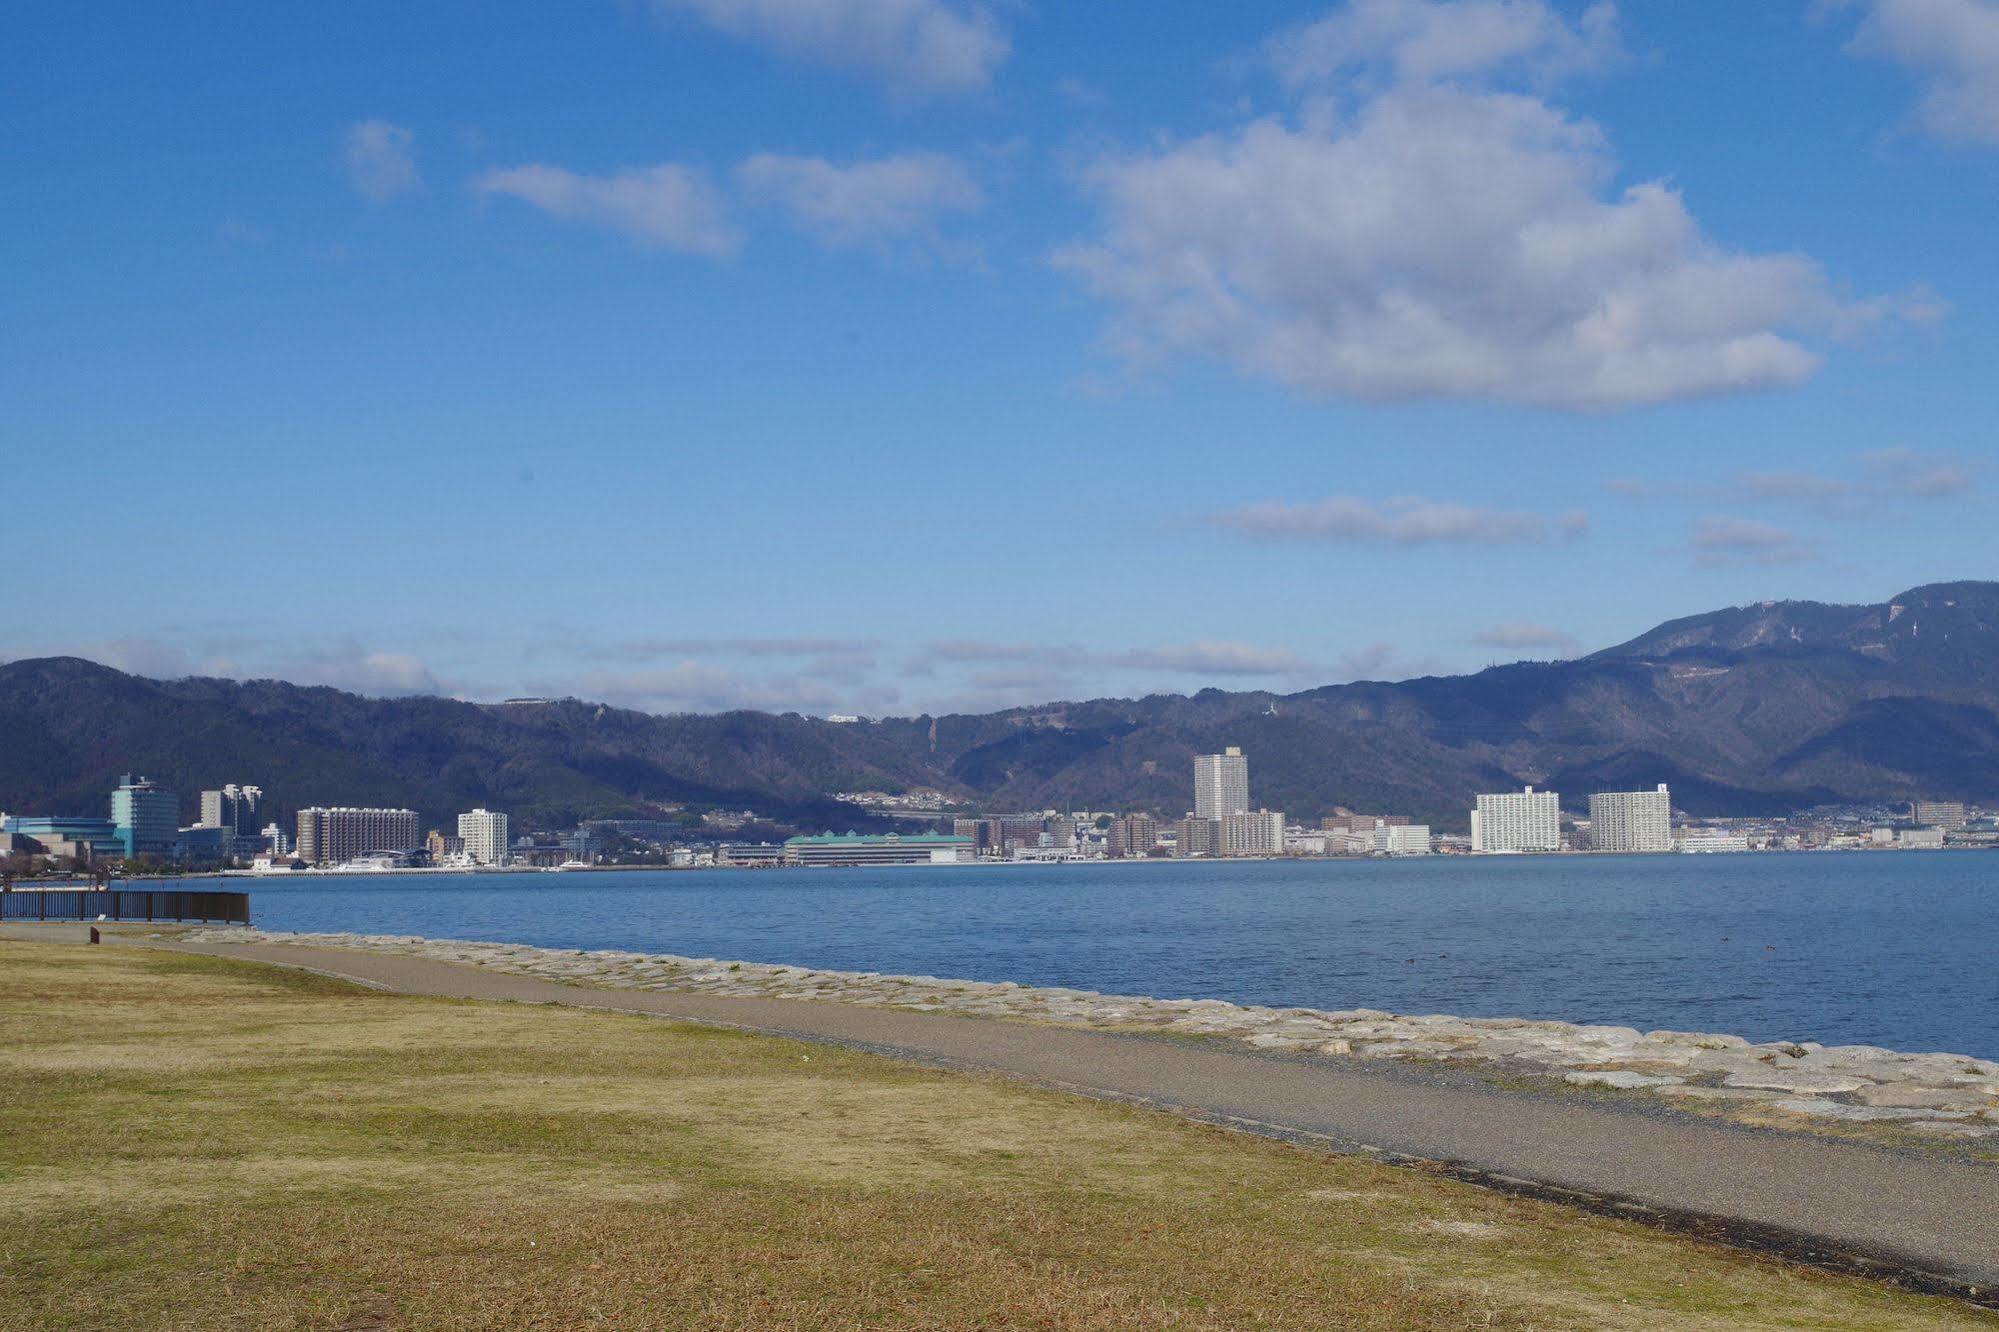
(1784, 1080)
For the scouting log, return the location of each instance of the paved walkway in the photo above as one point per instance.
(1931, 1220)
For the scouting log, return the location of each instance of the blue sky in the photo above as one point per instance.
(892, 355)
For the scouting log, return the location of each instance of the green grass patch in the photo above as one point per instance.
(188, 1142)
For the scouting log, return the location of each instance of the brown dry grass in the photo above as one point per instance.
(192, 1143)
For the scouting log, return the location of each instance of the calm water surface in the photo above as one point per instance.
(1898, 948)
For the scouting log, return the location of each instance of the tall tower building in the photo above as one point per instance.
(237, 808)
(147, 818)
(1221, 784)
(484, 834)
(1631, 820)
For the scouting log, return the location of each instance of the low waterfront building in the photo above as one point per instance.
(442, 846)
(1362, 823)
(206, 842)
(1631, 821)
(336, 835)
(1920, 839)
(1706, 841)
(1402, 839)
(68, 838)
(740, 855)
(483, 834)
(1522, 821)
(879, 849)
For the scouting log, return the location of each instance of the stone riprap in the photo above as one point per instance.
(1950, 1096)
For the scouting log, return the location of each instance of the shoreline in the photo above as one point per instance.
(1938, 1097)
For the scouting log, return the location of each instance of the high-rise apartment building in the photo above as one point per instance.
(1527, 820)
(484, 834)
(1133, 835)
(1221, 784)
(237, 808)
(1247, 834)
(1196, 837)
(1631, 821)
(147, 818)
(335, 836)
(1945, 814)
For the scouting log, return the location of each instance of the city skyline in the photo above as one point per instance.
(747, 409)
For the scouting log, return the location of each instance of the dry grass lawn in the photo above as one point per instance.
(193, 1143)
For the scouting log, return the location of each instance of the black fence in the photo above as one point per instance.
(123, 904)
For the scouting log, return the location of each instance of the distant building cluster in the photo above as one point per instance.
(238, 826)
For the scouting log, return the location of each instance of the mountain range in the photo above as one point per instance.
(1755, 709)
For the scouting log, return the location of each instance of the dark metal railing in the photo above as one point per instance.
(123, 904)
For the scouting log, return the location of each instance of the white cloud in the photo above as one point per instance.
(862, 203)
(669, 207)
(1205, 657)
(1428, 40)
(692, 686)
(1433, 237)
(379, 160)
(641, 649)
(1725, 541)
(342, 664)
(1404, 521)
(1517, 635)
(349, 666)
(1920, 475)
(1212, 657)
(1952, 47)
(917, 47)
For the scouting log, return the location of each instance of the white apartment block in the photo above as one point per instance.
(1527, 820)
(1631, 821)
(1409, 839)
(484, 834)
(1221, 784)
(1258, 834)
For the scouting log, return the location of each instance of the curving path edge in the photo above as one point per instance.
(1928, 1222)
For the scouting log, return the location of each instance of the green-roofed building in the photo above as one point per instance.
(880, 849)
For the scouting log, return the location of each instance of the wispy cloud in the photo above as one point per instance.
(1920, 475)
(665, 207)
(878, 202)
(1951, 47)
(343, 663)
(380, 160)
(1521, 635)
(1720, 541)
(1424, 41)
(694, 686)
(917, 48)
(1870, 479)
(1406, 521)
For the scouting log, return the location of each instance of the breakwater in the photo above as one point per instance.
(1941, 1095)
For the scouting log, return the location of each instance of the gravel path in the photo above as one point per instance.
(1928, 1220)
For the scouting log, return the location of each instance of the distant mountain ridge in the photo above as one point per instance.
(1753, 709)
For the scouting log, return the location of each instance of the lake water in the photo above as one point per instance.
(1889, 948)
